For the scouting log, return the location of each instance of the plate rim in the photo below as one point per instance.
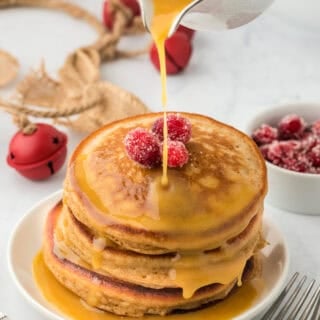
(35, 304)
(258, 309)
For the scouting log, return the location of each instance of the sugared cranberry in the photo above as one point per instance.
(275, 153)
(309, 141)
(264, 150)
(291, 126)
(265, 134)
(314, 156)
(300, 154)
(142, 146)
(179, 128)
(316, 128)
(178, 154)
(298, 166)
(280, 150)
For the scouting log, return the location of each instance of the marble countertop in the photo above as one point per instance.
(232, 75)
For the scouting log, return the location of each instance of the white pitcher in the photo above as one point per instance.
(211, 14)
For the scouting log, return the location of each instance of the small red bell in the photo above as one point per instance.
(187, 31)
(178, 50)
(40, 154)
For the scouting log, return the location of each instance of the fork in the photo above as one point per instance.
(2, 316)
(295, 304)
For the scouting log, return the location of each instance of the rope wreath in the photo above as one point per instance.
(79, 89)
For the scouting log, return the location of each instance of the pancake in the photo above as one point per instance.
(153, 271)
(211, 199)
(124, 243)
(110, 294)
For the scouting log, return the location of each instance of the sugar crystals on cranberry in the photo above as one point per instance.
(291, 126)
(145, 146)
(265, 134)
(292, 144)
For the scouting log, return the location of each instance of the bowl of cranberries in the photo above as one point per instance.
(289, 140)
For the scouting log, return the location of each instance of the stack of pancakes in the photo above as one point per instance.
(124, 243)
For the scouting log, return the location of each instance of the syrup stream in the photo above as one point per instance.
(165, 12)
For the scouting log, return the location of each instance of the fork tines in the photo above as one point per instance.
(299, 300)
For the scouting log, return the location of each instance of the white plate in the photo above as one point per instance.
(26, 241)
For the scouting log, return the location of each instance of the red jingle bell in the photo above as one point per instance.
(40, 154)
(178, 53)
(108, 14)
(187, 31)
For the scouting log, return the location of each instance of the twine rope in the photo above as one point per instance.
(105, 46)
(16, 109)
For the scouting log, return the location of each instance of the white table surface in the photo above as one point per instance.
(232, 75)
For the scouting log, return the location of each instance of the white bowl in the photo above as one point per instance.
(289, 190)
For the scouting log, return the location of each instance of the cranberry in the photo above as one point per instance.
(142, 146)
(178, 154)
(316, 128)
(298, 166)
(179, 128)
(309, 141)
(265, 134)
(314, 155)
(264, 150)
(280, 151)
(291, 126)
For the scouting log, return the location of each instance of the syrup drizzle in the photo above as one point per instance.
(66, 302)
(165, 12)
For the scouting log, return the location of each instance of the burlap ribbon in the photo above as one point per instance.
(79, 89)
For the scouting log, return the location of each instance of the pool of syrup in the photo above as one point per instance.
(69, 305)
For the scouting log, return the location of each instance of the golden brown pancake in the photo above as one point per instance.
(153, 271)
(124, 243)
(123, 298)
(211, 199)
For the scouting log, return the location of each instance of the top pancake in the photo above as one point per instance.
(219, 190)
